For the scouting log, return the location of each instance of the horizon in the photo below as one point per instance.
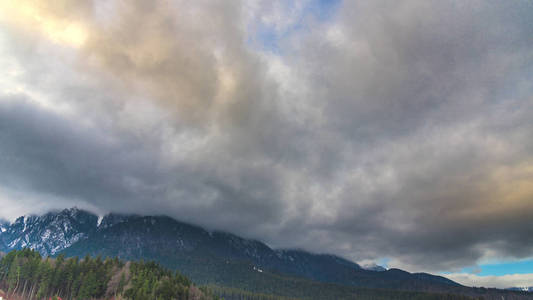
(390, 133)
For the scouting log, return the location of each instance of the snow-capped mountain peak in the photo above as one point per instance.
(374, 267)
(49, 233)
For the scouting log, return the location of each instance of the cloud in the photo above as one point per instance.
(397, 130)
(503, 281)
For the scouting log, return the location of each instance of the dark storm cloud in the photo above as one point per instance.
(47, 153)
(392, 129)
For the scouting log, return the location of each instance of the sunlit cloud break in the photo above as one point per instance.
(31, 16)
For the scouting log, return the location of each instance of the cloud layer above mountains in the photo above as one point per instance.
(382, 129)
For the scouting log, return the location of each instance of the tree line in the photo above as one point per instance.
(29, 276)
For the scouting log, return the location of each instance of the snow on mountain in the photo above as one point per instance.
(374, 267)
(49, 233)
(110, 220)
(75, 232)
(3, 225)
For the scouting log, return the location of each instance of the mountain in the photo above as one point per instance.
(374, 267)
(49, 233)
(185, 246)
(207, 257)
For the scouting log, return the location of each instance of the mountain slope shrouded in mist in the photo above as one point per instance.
(178, 245)
(207, 257)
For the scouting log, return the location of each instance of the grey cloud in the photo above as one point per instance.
(52, 155)
(407, 134)
(502, 282)
(419, 94)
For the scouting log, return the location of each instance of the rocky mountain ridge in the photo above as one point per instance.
(207, 257)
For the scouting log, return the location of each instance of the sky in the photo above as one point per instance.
(397, 132)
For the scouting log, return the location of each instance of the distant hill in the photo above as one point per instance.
(374, 267)
(209, 258)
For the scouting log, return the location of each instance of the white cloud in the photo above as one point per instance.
(503, 281)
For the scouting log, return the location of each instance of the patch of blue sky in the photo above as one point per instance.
(384, 262)
(267, 37)
(324, 10)
(502, 268)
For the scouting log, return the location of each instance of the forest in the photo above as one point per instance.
(25, 274)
